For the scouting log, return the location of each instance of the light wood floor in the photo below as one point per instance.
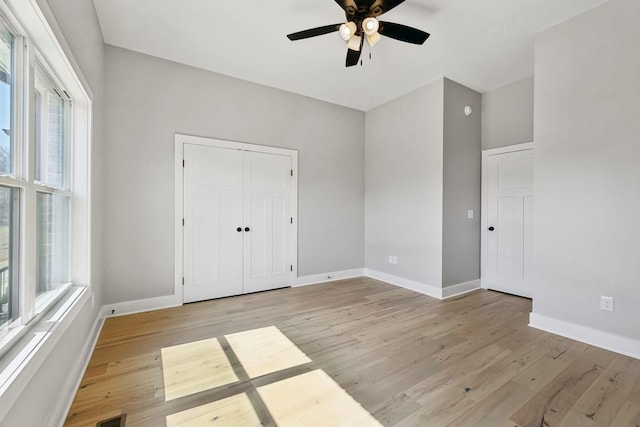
(410, 360)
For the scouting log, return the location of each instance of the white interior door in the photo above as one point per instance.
(213, 185)
(267, 216)
(509, 220)
(238, 233)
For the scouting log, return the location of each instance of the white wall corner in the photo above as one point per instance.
(460, 289)
(412, 285)
(587, 335)
(315, 279)
(141, 305)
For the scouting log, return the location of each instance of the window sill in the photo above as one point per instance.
(23, 359)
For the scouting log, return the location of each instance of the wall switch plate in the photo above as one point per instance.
(470, 214)
(606, 303)
(393, 259)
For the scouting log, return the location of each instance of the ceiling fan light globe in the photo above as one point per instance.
(347, 30)
(370, 26)
(373, 39)
(354, 43)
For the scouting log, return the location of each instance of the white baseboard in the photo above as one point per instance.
(412, 285)
(460, 289)
(141, 305)
(157, 303)
(585, 334)
(315, 279)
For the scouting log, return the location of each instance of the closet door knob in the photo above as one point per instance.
(491, 228)
(239, 229)
(247, 229)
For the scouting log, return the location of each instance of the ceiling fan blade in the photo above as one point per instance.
(403, 33)
(354, 55)
(312, 32)
(383, 6)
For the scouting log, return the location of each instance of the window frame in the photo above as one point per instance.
(17, 179)
(37, 47)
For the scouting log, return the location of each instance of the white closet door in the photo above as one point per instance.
(213, 182)
(510, 221)
(267, 214)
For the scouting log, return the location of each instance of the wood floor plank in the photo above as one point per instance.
(493, 410)
(551, 404)
(408, 359)
(601, 402)
(628, 415)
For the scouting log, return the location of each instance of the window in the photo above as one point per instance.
(51, 112)
(8, 218)
(52, 243)
(36, 190)
(45, 198)
(6, 99)
(8, 229)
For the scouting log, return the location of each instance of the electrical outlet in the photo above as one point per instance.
(393, 259)
(606, 303)
(470, 214)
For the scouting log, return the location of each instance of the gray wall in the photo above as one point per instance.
(587, 169)
(507, 114)
(403, 208)
(150, 99)
(461, 183)
(44, 399)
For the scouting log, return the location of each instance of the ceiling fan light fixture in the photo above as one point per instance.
(347, 30)
(362, 22)
(374, 39)
(354, 43)
(370, 26)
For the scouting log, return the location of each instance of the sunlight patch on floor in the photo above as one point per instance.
(194, 367)
(232, 411)
(313, 399)
(264, 351)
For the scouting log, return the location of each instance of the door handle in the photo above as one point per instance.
(491, 228)
(239, 229)
(247, 229)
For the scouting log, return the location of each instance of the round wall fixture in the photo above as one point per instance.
(468, 110)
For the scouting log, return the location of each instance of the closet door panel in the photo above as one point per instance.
(267, 212)
(213, 182)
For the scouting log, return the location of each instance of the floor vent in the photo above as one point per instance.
(118, 421)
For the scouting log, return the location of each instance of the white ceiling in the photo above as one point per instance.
(482, 44)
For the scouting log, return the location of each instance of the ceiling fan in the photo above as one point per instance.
(362, 22)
